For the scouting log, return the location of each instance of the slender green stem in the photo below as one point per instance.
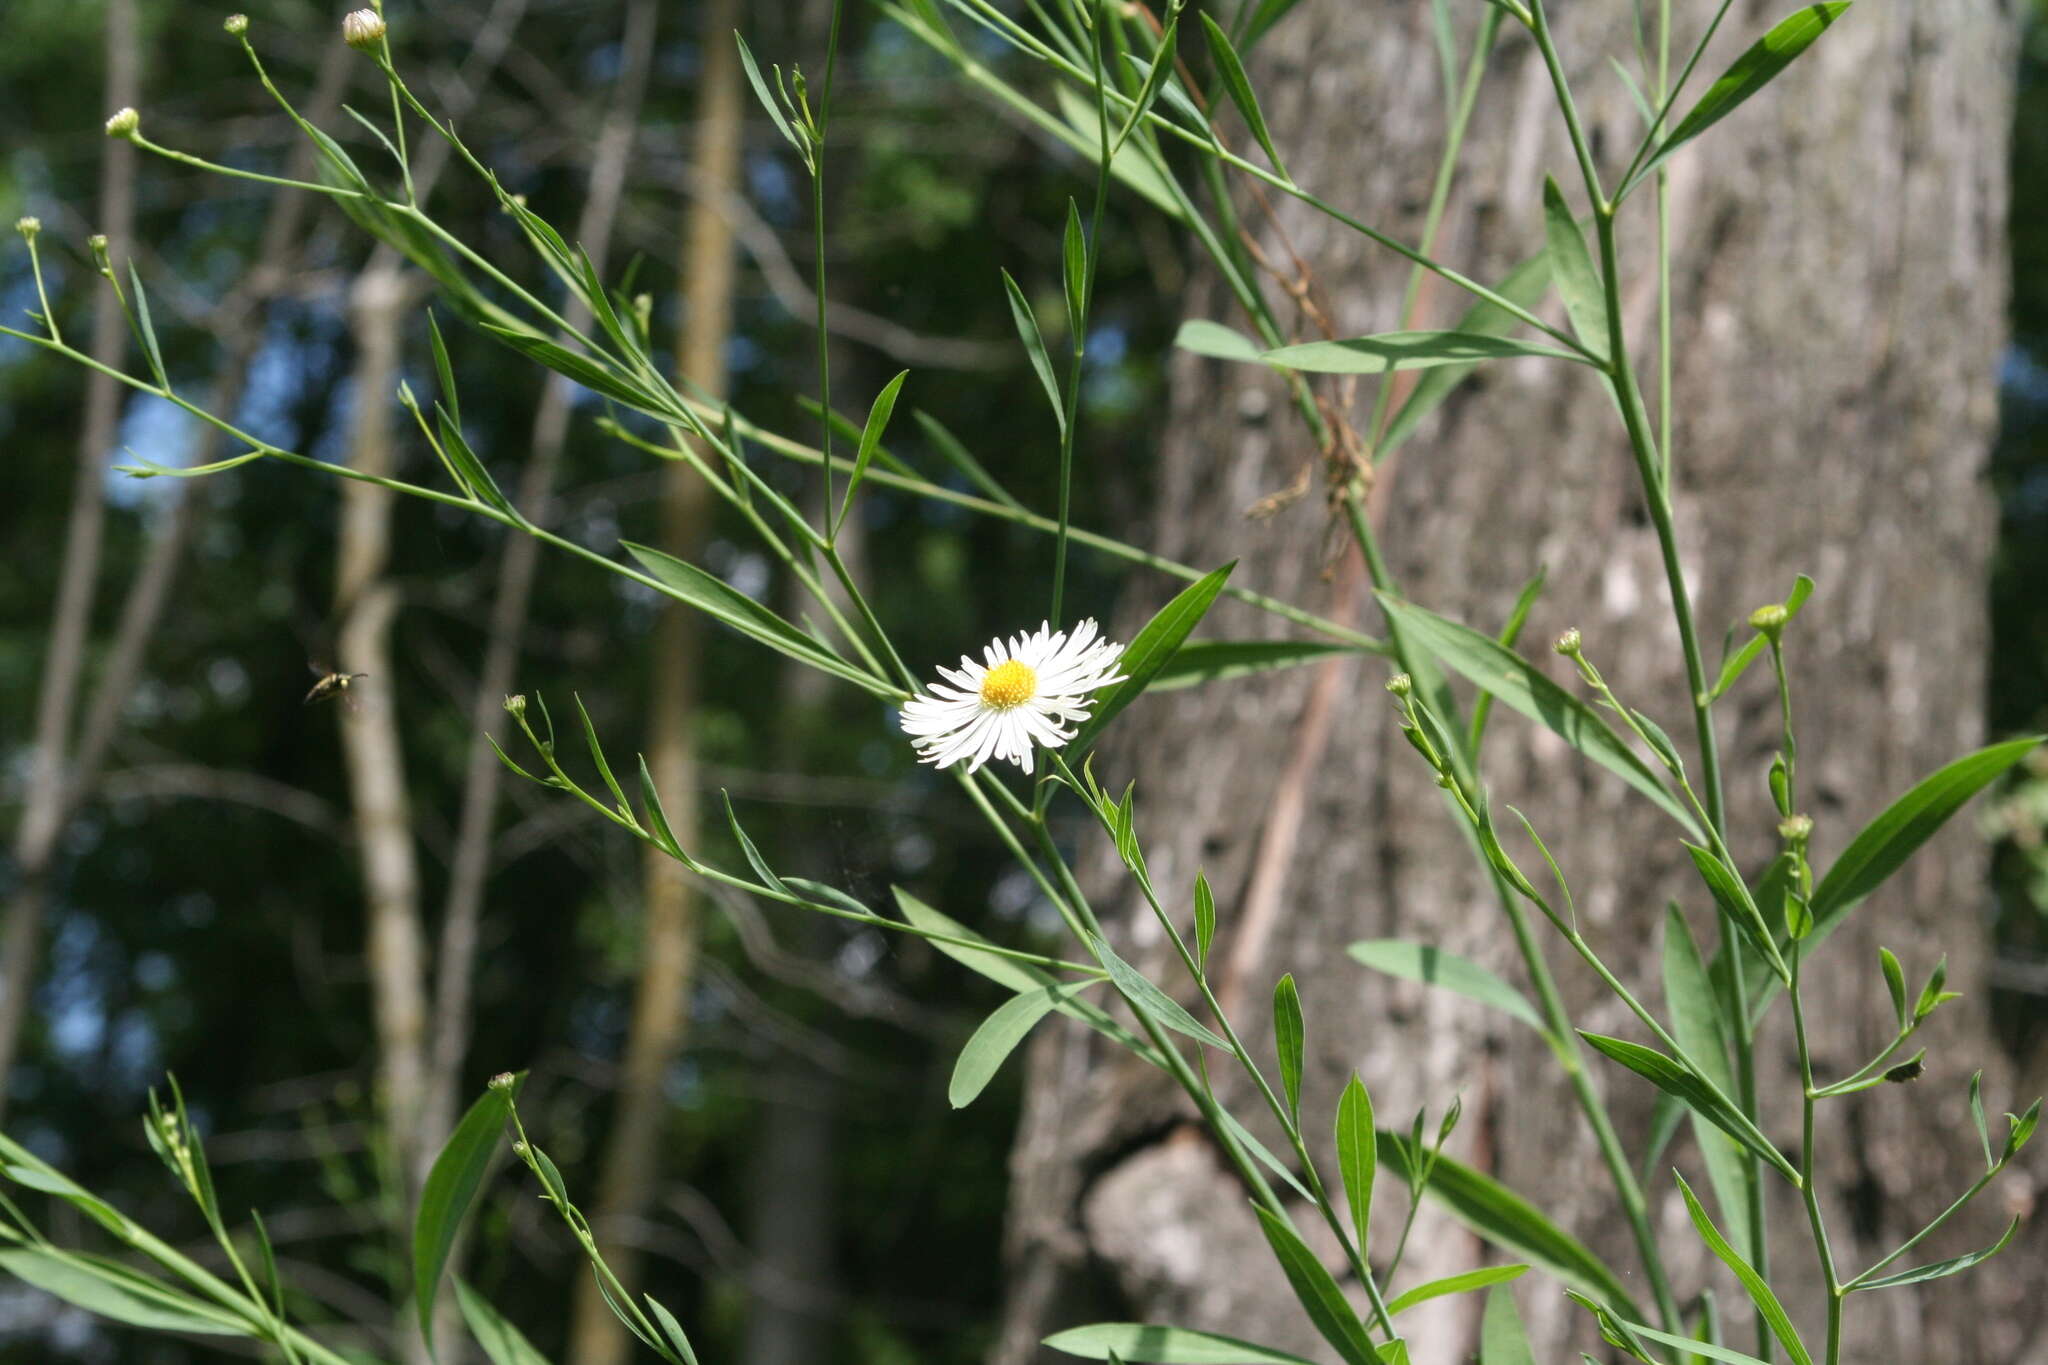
(1822, 1247)
(35, 266)
(1862, 1281)
(817, 168)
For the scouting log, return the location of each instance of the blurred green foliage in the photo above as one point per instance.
(221, 938)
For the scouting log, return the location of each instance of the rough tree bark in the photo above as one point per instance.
(1839, 298)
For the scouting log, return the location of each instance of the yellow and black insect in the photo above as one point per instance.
(331, 684)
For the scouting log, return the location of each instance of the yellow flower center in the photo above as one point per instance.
(1010, 683)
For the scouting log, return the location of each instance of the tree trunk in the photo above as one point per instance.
(1839, 275)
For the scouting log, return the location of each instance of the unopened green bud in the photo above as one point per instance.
(1400, 684)
(124, 123)
(520, 1149)
(501, 1081)
(236, 25)
(1771, 620)
(1568, 643)
(362, 29)
(97, 243)
(1795, 829)
(515, 705)
(28, 226)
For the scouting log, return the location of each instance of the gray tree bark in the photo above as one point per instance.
(1839, 282)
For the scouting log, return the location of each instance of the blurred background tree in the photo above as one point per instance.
(205, 894)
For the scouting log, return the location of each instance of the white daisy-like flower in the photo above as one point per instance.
(1030, 689)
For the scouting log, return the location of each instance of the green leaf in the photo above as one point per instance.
(1137, 1341)
(1977, 1117)
(1287, 1040)
(69, 1190)
(870, 437)
(1518, 685)
(1502, 1339)
(469, 469)
(1456, 1284)
(1156, 78)
(1677, 1079)
(1317, 1290)
(451, 1184)
(145, 331)
(750, 852)
(1148, 998)
(1216, 341)
(671, 1329)
(1696, 1023)
(1079, 126)
(116, 1293)
(591, 374)
(501, 1341)
(1393, 1352)
(1405, 351)
(1739, 662)
(1524, 286)
(1752, 71)
(604, 769)
(1202, 661)
(1074, 270)
(1571, 265)
(767, 97)
(997, 1038)
(1895, 982)
(1034, 347)
(1941, 1269)
(1694, 1347)
(1733, 897)
(720, 601)
(1357, 1156)
(1239, 87)
(1507, 1220)
(1433, 966)
(1151, 648)
(657, 818)
(1205, 919)
(1767, 1306)
(1885, 843)
(1008, 971)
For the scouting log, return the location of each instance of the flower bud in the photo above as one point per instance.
(362, 29)
(515, 705)
(519, 1148)
(1770, 619)
(125, 123)
(501, 1081)
(1568, 643)
(236, 25)
(1795, 829)
(28, 226)
(1400, 684)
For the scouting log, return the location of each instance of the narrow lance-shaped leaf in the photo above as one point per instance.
(1406, 351)
(1674, 1077)
(996, 1039)
(1317, 1290)
(1510, 632)
(1502, 1339)
(114, 1293)
(870, 438)
(1751, 72)
(1205, 919)
(1696, 1023)
(1571, 265)
(1216, 341)
(1239, 87)
(1156, 78)
(450, 1185)
(1034, 347)
(1942, 1269)
(1524, 287)
(1357, 1156)
(1139, 1341)
(1074, 273)
(767, 97)
(503, 1343)
(1151, 648)
(1149, 999)
(1519, 686)
(1462, 1283)
(1433, 966)
(1287, 1040)
(1767, 1306)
